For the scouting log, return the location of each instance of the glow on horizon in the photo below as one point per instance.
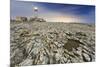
(65, 19)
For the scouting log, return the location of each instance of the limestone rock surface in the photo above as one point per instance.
(51, 43)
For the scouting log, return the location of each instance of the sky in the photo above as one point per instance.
(54, 12)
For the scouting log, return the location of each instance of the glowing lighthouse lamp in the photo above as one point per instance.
(35, 12)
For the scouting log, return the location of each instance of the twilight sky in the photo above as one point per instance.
(54, 12)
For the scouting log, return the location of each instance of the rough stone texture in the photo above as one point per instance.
(51, 43)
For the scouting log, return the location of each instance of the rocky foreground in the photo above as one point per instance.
(51, 43)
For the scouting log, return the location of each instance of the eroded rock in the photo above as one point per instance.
(51, 43)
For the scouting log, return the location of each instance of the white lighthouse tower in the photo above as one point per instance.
(35, 9)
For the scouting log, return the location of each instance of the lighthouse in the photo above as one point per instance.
(35, 9)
